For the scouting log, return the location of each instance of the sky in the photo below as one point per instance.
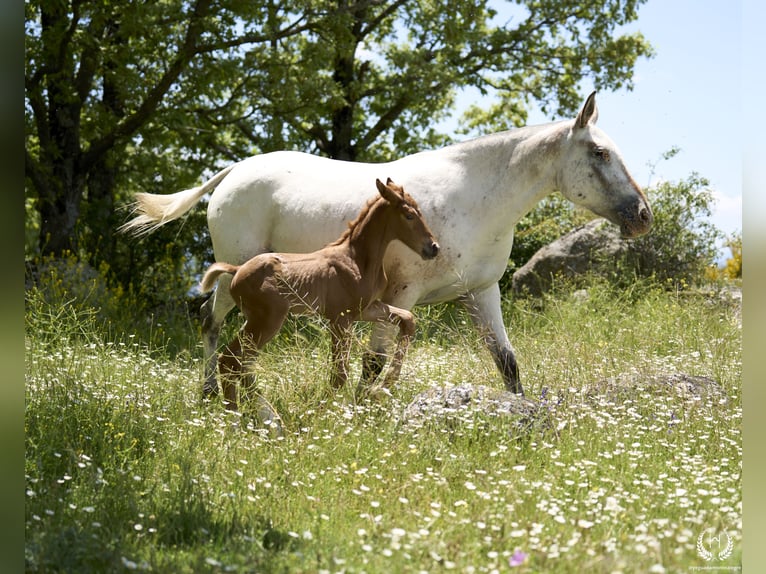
(686, 96)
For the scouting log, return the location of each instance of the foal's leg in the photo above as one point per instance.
(230, 364)
(379, 312)
(262, 324)
(383, 334)
(486, 314)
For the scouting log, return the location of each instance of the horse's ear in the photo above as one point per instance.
(388, 194)
(589, 112)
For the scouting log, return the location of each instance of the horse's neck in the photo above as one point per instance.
(525, 161)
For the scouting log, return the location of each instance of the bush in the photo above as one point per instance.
(154, 309)
(682, 242)
(733, 267)
(677, 252)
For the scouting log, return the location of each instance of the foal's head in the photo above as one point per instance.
(407, 222)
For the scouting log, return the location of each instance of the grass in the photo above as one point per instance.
(126, 469)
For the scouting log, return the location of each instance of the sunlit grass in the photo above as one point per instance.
(127, 469)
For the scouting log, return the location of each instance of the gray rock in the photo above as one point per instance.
(590, 247)
(448, 404)
(680, 385)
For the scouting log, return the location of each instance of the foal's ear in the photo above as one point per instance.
(589, 112)
(388, 193)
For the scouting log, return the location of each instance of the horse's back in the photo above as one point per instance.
(288, 202)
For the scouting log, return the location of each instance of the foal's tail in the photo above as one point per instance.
(212, 273)
(154, 210)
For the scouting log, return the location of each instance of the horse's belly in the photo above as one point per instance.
(449, 276)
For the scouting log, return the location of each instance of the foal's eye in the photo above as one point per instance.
(409, 216)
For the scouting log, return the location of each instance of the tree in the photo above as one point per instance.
(104, 77)
(123, 96)
(385, 72)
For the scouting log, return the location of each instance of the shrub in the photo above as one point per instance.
(682, 242)
(154, 309)
(677, 252)
(733, 267)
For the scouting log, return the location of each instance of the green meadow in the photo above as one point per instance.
(128, 469)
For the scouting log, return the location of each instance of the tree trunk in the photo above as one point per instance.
(58, 217)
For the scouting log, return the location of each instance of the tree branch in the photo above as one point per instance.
(133, 122)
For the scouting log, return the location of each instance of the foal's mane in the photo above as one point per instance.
(352, 225)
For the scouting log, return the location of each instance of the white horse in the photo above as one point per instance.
(471, 193)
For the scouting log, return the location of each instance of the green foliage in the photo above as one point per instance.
(733, 267)
(126, 469)
(677, 252)
(154, 309)
(683, 242)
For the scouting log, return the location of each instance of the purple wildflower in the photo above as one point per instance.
(518, 558)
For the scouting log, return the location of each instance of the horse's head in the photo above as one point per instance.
(409, 226)
(592, 174)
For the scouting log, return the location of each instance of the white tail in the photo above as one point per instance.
(154, 210)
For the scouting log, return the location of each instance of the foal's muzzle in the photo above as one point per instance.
(430, 250)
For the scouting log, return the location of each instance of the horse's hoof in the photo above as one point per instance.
(210, 390)
(379, 394)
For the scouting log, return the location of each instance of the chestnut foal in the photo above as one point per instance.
(342, 282)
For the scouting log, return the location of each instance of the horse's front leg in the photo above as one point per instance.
(486, 314)
(379, 312)
(383, 334)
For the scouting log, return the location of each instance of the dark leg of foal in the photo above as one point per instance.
(373, 362)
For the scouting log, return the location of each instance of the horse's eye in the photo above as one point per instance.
(601, 153)
(409, 216)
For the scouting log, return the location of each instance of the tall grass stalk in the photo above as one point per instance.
(127, 469)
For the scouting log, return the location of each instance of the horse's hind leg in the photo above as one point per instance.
(374, 359)
(264, 411)
(214, 312)
(231, 362)
(263, 323)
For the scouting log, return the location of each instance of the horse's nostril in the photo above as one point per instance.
(644, 214)
(435, 249)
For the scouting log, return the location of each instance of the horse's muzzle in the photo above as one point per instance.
(637, 224)
(430, 250)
